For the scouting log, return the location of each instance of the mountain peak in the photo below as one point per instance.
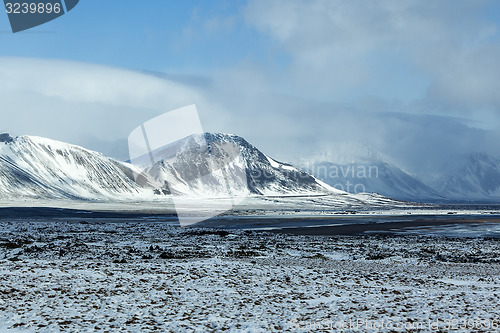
(189, 169)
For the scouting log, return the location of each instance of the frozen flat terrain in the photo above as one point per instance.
(100, 275)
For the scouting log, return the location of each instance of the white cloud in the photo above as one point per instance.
(350, 49)
(84, 103)
(89, 83)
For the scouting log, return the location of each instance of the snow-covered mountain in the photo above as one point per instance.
(215, 165)
(34, 167)
(478, 179)
(356, 168)
(212, 164)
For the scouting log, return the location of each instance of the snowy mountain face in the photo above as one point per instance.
(214, 164)
(357, 168)
(477, 180)
(34, 167)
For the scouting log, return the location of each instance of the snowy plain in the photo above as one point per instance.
(90, 275)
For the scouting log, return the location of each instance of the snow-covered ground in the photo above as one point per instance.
(296, 205)
(96, 276)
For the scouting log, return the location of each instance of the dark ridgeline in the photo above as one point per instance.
(5, 137)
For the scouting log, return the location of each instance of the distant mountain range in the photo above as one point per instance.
(359, 168)
(34, 167)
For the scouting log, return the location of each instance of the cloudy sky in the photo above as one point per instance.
(417, 80)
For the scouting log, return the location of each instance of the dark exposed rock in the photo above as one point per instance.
(5, 137)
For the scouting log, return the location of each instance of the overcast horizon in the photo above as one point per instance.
(415, 80)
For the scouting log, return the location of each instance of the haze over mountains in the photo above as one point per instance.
(358, 167)
(477, 179)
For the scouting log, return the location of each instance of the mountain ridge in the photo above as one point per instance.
(39, 167)
(36, 167)
(358, 168)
